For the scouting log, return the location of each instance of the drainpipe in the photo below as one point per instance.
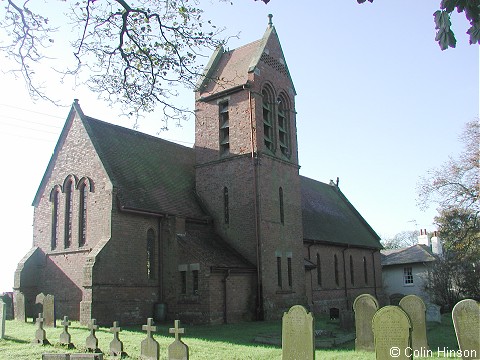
(259, 309)
(374, 273)
(225, 297)
(160, 261)
(345, 277)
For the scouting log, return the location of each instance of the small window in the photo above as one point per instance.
(335, 264)
(68, 213)
(279, 271)
(280, 198)
(150, 254)
(55, 213)
(289, 268)
(195, 281)
(407, 275)
(352, 271)
(224, 130)
(365, 270)
(183, 282)
(82, 215)
(226, 205)
(319, 271)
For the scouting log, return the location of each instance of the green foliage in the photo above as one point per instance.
(455, 188)
(445, 36)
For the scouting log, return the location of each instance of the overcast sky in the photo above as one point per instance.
(378, 104)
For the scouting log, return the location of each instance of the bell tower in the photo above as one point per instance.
(247, 165)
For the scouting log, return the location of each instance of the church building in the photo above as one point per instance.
(129, 226)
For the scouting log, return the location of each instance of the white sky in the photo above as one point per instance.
(378, 104)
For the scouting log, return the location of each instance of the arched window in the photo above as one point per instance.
(280, 198)
(150, 254)
(319, 271)
(226, 205)
(54, 198)
(335, 264)
(283, 125)
(365, 270)
(267, 103)
(82, 214)
(352, 278)
(224, 128)
(68, 190)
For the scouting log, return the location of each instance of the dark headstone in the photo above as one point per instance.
(334, 313)
(7, 298)
(65, 338)
(395, 299)
(433, 313)
(91, 342)
(19, 306)
(177, 350)
(40, 334)
(150, 349)
(49, 311)
(347, 319)
(116, 346)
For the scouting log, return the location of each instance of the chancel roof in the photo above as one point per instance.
(328, 217)
(411, 255)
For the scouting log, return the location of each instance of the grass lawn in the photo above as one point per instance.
(222, 342)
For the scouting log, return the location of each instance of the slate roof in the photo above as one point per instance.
(205, 246)
(413, 254)
(329, 217)
(231, 68)
(151, 174)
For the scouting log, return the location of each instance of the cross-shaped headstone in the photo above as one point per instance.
(150, 348)
(176, 330)
(177, 350)
(149, 328)
(92, 341)
(116, 346)
(65, 338)
(40, 334)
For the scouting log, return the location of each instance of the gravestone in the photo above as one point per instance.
(298, 338)
(150, 348)
(466, 320)
(19, 306)
(7, 298)
(347, 319)
(365, 306)
(415, 309)
(49, 311)
(91, 343)
(40, 334)
(392, 334)
(177, 350)
(433, 313)
(116, 346)
(65, 338)
(3, 315)
(72, 356)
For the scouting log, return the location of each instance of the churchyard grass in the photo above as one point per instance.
(223, 342)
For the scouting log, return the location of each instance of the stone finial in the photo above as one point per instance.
(270, 22)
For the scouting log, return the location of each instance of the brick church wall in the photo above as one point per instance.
(60, 272)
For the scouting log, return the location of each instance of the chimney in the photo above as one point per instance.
(423, 238)
(436, 245)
